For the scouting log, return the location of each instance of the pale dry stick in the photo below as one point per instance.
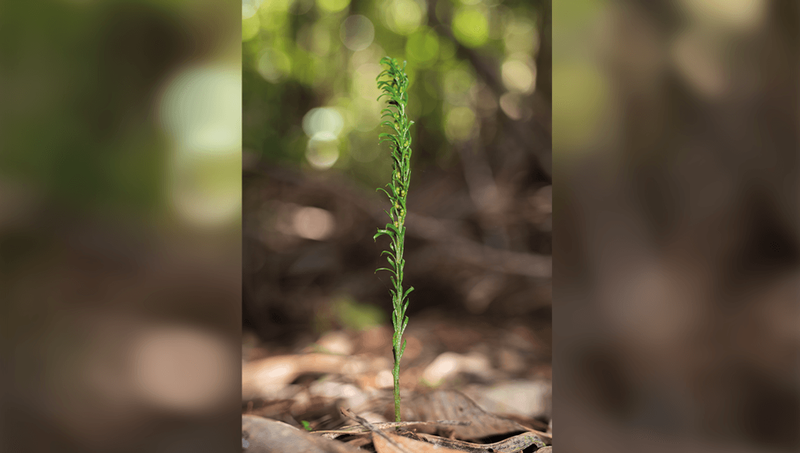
(359, 429)
(511, 445)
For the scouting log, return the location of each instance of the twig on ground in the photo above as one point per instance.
(511, 445)
(359, 429)
(363, 422)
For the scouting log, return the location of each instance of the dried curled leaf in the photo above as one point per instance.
(453, 405)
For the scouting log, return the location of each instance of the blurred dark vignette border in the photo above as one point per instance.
(120, 226)
(675, 299)
(675, 133)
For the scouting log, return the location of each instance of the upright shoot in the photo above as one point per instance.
(394, 87)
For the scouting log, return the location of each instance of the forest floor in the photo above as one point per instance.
(466, 385)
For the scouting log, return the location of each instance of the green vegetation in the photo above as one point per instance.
(395, 89)
(357, 316)
(308, 71)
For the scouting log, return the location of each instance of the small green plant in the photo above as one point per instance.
(394, 88)
(306, 425)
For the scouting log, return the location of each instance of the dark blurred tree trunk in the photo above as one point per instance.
(544, 60)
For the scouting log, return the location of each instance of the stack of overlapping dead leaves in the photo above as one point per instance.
(443, 421)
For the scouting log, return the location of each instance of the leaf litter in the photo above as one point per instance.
(343, 401)
(468, 421)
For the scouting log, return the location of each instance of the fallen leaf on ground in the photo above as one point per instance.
(523, 398)
(262, 435)
(453, 405)
(262, 378)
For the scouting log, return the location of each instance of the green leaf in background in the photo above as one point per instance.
(357, 316)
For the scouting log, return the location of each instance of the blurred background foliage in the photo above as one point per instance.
(309, 70)
(137, 123)
(675, 140)
(480, 94)
(120, 223)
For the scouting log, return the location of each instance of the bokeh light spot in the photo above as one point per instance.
(404, 16)
(323, 119)
(322, 150)
(250, 27)
(422, 47)
(357, 32)
(471, 27)
(313, 223)
(249, 8)
(202, 109)
(332, 6)
(518, 76)
(460, 124)
(181, 369)
(514, 107)
(274, 65)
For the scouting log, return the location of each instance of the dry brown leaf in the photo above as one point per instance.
(261, 378)
(399, 444)
(263, 435)
(453, 405)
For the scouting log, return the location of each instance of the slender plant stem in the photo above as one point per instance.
(395, 89)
